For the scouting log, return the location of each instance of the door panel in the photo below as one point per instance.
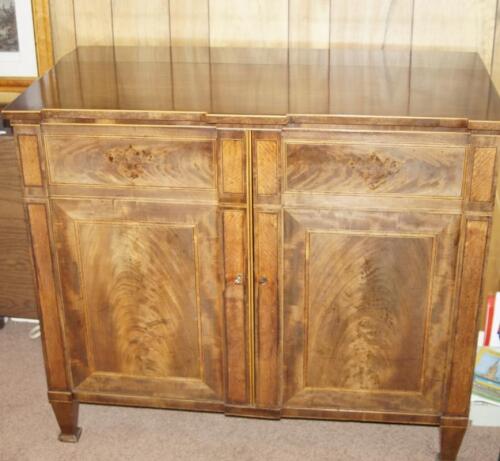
(357, 288)
(143, 280)
(367, 297)
(151, 326)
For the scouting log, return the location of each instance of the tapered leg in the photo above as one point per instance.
(67, 418)
(451, 439)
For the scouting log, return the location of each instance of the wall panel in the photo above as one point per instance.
(385, 22)
(63, 27)
(141, 23)
(93, 22)
(255, 24)
(469, 25)
(465, 25)
(189, 22)
(243, 24)
(309, 24)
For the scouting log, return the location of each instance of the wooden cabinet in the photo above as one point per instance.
(259, 265)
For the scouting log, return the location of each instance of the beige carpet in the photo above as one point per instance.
(28, 429)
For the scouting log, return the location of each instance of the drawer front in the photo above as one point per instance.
(131, 161)
(373, 168)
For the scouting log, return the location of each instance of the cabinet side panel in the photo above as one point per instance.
(465, 332)
(44, 271)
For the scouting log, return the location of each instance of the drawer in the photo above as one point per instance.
(171, 160)
(373, 166)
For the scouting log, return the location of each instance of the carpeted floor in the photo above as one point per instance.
(28, 430)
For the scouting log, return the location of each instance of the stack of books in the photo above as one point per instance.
(487, 371)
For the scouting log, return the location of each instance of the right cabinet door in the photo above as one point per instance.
(368, 271)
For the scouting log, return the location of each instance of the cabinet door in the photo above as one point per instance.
(370, 232)
(151, 237)
(142, 297)
(367, 299)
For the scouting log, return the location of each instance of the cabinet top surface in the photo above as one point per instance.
(362, 81)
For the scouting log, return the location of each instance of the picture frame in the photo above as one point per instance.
(32, 23)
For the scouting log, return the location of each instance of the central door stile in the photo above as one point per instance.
(250, 260)
(250, 198)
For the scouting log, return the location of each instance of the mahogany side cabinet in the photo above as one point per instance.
(266, 233)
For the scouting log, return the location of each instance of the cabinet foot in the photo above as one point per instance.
(67, 417)
(2, 322)
(450, 440)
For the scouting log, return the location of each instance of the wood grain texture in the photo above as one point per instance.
(450, 440)
(237, 351)
(233, 166)
(30, 160)
(464, 333)
(483, 174)
(17, 291)
(492, 274)
(54, 347)
(67, 418)
(151, 325)
(154, 323)
(267, 167)
(369, 168)
(134, 161)
(181, 392)
(378, 312)
(267, 304)
(339, 267)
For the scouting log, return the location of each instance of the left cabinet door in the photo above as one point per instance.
(142, 296)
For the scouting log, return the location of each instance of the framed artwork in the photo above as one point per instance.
(25, 42)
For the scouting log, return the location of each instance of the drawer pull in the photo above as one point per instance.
(238, 280)
(263, 280)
